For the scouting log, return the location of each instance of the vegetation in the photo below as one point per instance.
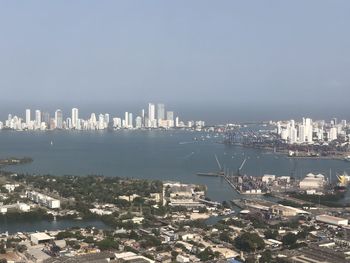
(331, 200)
(107, 244)
(207, 254)
(266, 256)
(289, 240)
(249, 242)
(31, 216)
(271, 234)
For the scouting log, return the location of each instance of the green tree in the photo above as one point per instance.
(107, 244)
(249, 242)
(271, 234)
(266, 256)
(289, 240)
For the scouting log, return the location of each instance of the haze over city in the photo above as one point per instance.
(221, 62)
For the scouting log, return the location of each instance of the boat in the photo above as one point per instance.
(347, 158)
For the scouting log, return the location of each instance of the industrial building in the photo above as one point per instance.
(312, 181)
(39, 238)
(332, 220)
(282, 210)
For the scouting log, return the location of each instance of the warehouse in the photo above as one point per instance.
(38, 238)
(282, 210)
(332, 220)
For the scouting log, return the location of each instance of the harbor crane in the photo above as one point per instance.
(241, 167)
(217, 161)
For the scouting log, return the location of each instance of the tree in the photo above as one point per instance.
(206, 254)
(249, 242)
(174, 255)
(107, 244)
(224, 236)
(271, 234)
(289, 239)
(266, 257)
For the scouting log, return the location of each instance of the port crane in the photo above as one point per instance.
(217, 161)
(241, 167)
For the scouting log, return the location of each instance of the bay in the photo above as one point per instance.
(163, 155)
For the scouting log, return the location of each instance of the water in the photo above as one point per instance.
(164, 155)
(42, 225)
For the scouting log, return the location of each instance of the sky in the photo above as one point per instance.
(211, 60)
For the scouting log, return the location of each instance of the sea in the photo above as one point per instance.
(169, 155)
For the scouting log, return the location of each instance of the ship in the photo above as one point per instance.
(347, 158)
(343, 182)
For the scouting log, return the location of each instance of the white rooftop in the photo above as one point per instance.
(41, 236)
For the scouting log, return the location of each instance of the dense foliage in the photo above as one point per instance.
(249, 242)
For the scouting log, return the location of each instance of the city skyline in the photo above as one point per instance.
(155, 117)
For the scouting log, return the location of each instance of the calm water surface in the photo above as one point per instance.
(164, 155)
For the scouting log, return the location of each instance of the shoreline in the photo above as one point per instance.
(270, 150)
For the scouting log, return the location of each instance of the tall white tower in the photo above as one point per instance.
(59, 119)
(151, 115)
(126, 118)
(75, 118)
(130, 121)
(37, 118)
(27, 117)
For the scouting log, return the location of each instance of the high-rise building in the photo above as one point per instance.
(138, 122)
(28, 117)
(160, 111)
(69, 123)
(308, 130)
(152, 122)
(101, 122)
(302, 135)
(170, 115)
(126, 120)
(37, 118)
(93, 119)
(75, 118)
(46, 118)
(130, 121)
(333, 134)
(107, 119)
(117, 122)
(143, 117)
(59, 119)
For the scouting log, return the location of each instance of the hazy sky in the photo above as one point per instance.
(230, 59)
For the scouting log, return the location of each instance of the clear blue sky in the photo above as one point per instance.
(233, 59)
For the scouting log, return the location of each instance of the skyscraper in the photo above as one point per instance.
(143, 120)
(170, 115)
(160, 111)
(138, 122)
(45, 117)
(75, 118)
(130, 121)
(151, 115)
(59, 119)
(37, 118)
(126, 122)
(28, 117)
